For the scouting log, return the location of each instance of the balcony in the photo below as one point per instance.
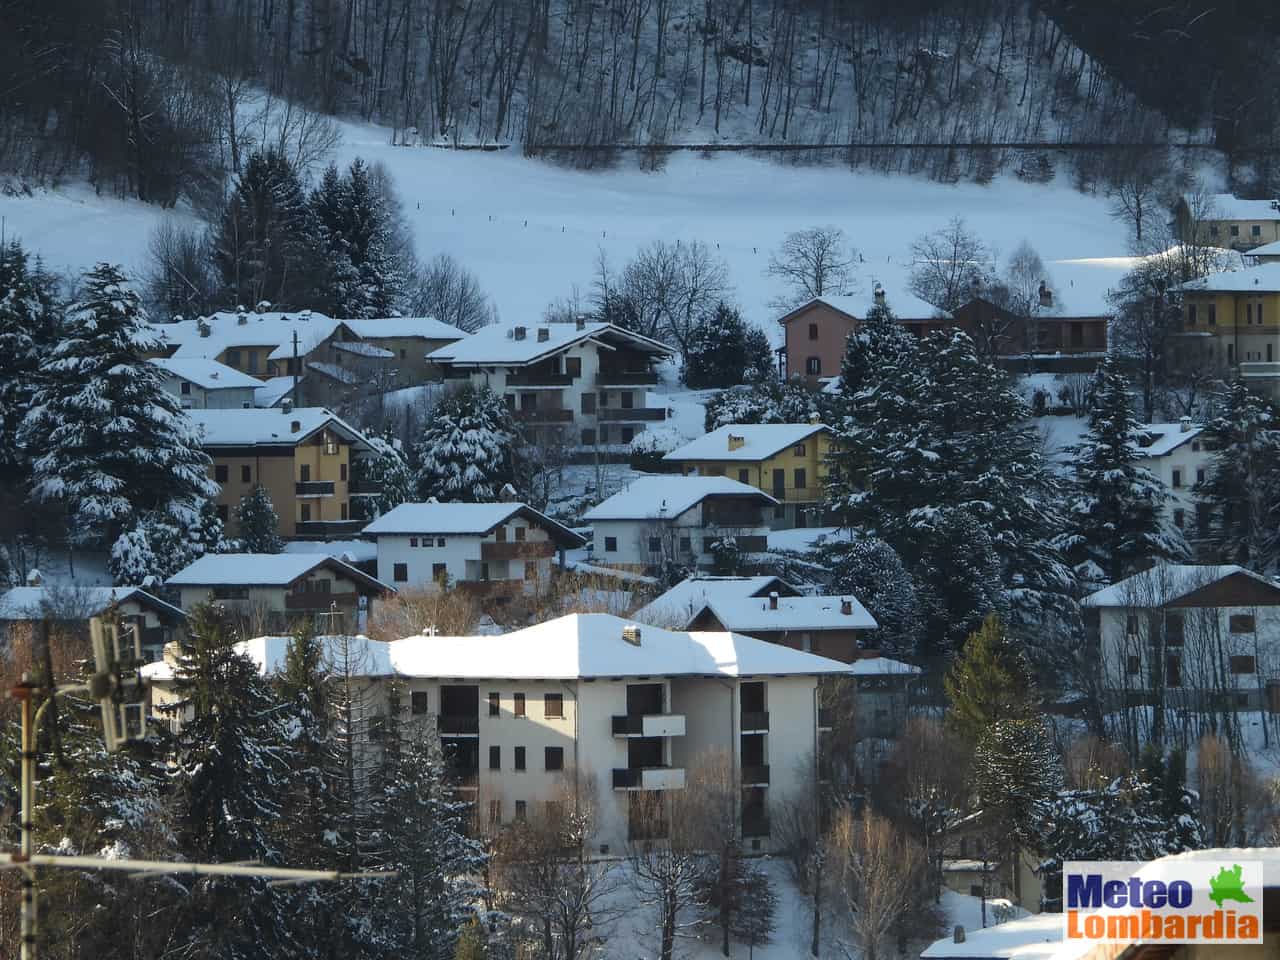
(631, 415)
(648, 778)
(797, 494)
(329, 529)
(752, 544)
(466, 778)
(544, 415)
(755, 721)
(755, 823)
(517, 550)
(365, 487)
(755, 775)
(648, 725)
(319, 601)
(313, 488)
(626, 378)
(459, 725)
(539, 380)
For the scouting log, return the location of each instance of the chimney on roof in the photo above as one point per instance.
(773, 600)
(241, 318)
(582, 322)
(305, 315)
(631, 634)
(262, 306)
(295, 426)
(878, 293)
(736, 442)
(34, 578)
(544, 334)
(815, 418)
(287, 406)
(846, 607)
(203, 326)
(1046, 295)
(1184, 424)
(508, 493)
(958, 935)
(519, 333)
(213, 374)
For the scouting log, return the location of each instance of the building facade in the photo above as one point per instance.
(1224, 220)
(207, 385)
(1179, 457)
(1231, 324)
(76, 608)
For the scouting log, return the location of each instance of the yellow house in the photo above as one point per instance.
(1231, 321)
(301, 456)
(1224, 220)
(785, 460)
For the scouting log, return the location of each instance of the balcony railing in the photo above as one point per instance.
(459, 724)
(545, 415)
(648, 725)
(327, 529)
(632, 414)
(754, 721)
(648, 778)
(756, 775)
(625, 378)
(539, 380)
(755, 824)
(364, 487)
(517, 550)
(313, 488)
(319, 601)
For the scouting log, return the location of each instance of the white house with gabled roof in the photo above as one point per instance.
(584, 382)
(201, 384)
(592, 702)
(496, 550)
(1176, 453)
(664, 520)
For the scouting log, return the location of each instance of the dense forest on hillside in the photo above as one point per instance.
(148, 97)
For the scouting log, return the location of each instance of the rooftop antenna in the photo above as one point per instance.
(333, 617)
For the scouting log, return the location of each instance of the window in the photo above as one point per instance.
(813, 366)
(400, 573)
(1131, 625)
(588, 437)
(342, 472)
(553, 758)
(233, 359)
(413, 541)
(1213, 314)
(1213, 229)
(800, 478)
(553, 705)
(521, 532)
(402, 353)
(744, 475)
(1191, 314)
(655, 544)
(439, 541)
(439, 572)
(246, 473)
(1248, 313)
(494, 701)
(627, 398)
(1241, 623)
(1256, 231)
(306, 512)
(1179, 518)
(686, 544)
(418, 702)
(1242, 664)
(1199, 474)
(495, 757)
(253, 361)
(588, 403)
(1177, 479)
(1134, 666)
(304, 472)
(573, 366)
(519, 752)
(813, 331)
(185, 389)
(1235, 230)
(799, 450)
(220, 472)
(521, 811)
(628, 433)
(610, 544)
(484, 571)
(517, 704)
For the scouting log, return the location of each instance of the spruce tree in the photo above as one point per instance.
(870, 569)
(468, 452)
(258, 522)
(1116, 507)
(987, 684)
(766, 400)
(724, 351)
(1016, 778)
(362, 275)
(28, 330)
(388, 471)
(113, 443)
(1241, 489)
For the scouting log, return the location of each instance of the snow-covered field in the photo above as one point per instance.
(532, 231)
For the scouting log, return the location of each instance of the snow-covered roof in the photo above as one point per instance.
(678, 605)
(1226, 206)
(333, 372)
(348, 551)
(264, 570)
(903, 304)
(359, 348)
(475, 519)
(30, 603)
(1166, 437)
(654, 498)
(1266, 250)
(759, 441)
(497, 343)
(757, 615)
(270, 392)
(577, 646)
(1031, 938)
(234, 428)
(1164, 583)
(271, 329)
(1264, 278)
(425, 328)
(206, 374)
(882, 666)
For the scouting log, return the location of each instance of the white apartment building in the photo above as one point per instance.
(497, 550)
(584, 382)
(1178, 456)
(673, 519)
(201, 384)
(593, 702)
(1188, 632)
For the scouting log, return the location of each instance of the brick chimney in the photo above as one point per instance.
(773, 600)
(631, 634)
(520, 333)
(582, 322)
(544, 334)
(1184, 424)
(736, 442)
(846, 607)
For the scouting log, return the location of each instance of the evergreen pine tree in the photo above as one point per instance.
(765, 401)
(113, 443)
(230, 785)
(755, 925)
(1116, 507)
(28, 330)
(724, 351)
(870, 569)
(1016, 778)
(468, 451)
(259, 524)
(361, 275)
(264, 245)
(1241, 490)
(987, 684)
(388, 471)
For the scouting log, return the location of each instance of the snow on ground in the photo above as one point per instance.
(966, 911)
(532, 231)
(803, 538)
(353, 551)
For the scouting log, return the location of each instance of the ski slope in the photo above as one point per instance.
(532, 231)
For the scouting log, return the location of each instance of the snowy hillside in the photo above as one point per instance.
(532, 230)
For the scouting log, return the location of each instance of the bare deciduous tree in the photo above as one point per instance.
(451, 293)
(797, 829)
(947, 263)
(877, 872)
(671, 287)
(812, 262)
(450, 613)
(665, 873)
(179, 280)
